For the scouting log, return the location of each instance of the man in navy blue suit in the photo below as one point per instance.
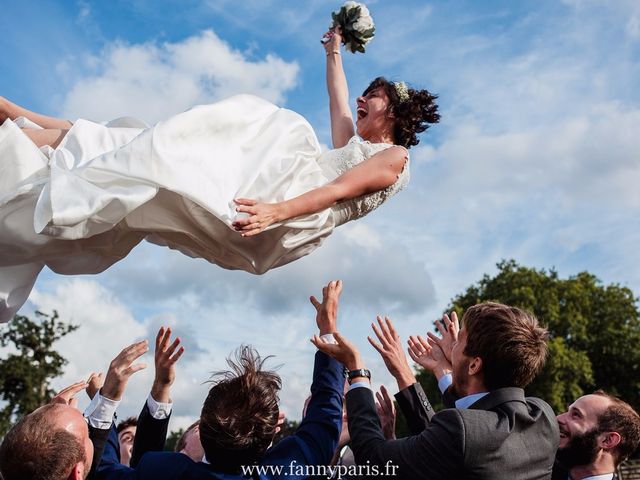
(240, 416)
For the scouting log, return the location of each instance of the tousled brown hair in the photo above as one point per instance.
(34, 449)
(511, 344)
(240, 415)
(413, 115)
(620, 417)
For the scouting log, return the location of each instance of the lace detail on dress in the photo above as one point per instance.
(336, 162)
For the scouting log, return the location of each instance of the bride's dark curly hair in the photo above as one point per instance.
(413, 115)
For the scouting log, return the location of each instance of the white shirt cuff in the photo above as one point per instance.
(159, 410)
(359, 385)
(100, 411)
(445, 382)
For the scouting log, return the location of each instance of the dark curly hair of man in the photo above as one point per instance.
(413, 115)
(240, 415)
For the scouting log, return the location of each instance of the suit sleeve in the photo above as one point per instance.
(151, 435)
(415, 407)
(110, 467)
(98, 437)
(438, 452)
(316, 439)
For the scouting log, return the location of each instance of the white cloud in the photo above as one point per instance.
(152, 81)
(633, 27)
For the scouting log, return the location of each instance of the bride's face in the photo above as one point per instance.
(373, 117)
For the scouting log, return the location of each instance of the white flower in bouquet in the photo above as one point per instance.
(356, 24)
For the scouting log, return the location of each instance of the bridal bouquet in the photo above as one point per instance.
(356, 23)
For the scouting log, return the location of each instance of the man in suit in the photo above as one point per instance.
(239, 419)
(493, 433)
(53, 442)
(597, 433)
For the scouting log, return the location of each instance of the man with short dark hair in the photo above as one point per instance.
(597, 433)
(493, 433)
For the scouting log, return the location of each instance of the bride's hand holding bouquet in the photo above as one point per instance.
(332, 41)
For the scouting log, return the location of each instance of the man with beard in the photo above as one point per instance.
(597, 433)
(495, 432)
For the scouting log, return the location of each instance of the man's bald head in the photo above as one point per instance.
(52, 443)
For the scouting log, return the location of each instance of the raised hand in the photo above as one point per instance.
(448, 335)
(332, 40)
(121, 369)
(261, 215)
(67, 396)
(343, 351)
(327, 311)
(166, 355)
(392, 352)
(94, 384)
(429, 356)
(387, 413)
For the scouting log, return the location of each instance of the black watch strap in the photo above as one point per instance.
(360, 372)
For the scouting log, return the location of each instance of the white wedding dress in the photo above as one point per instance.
(83, 206)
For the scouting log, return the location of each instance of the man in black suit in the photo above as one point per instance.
(597, 433)
(493, 433)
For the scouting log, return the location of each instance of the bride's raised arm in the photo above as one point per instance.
(341, 117)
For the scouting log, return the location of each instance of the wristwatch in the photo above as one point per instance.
(360, 372)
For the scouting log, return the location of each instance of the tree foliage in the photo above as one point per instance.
(25, 375)
(594, 330)
(172, 439)
(289, 427)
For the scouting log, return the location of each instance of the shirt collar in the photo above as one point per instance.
(466, 402)
(604, 476)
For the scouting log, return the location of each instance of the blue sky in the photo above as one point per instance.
(536, 159)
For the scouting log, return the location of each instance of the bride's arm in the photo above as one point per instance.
(375, 173)
(341, 117)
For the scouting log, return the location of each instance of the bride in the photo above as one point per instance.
(241, 183)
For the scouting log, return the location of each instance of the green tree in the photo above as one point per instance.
(289, 427)
(594, 330)
(172, 439)
(25, 376)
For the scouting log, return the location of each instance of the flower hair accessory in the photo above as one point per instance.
(402, 91)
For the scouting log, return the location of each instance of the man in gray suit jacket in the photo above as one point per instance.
(493, 433)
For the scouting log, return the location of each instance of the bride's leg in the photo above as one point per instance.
(51, 136)
(10, 110)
